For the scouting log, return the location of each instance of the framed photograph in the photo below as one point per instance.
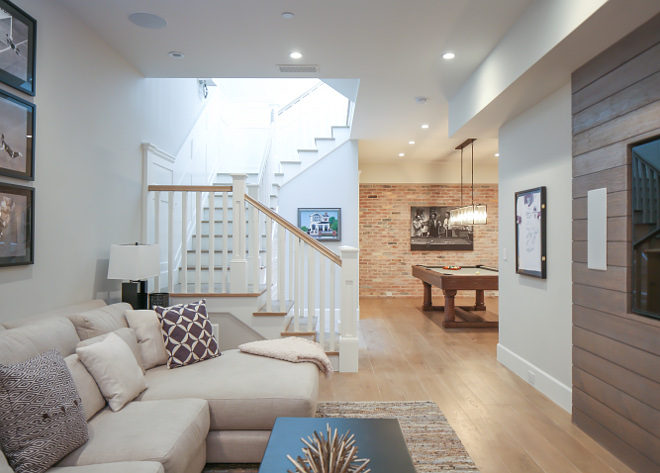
(17, 118)
(430, 230)
(16, 225)
(321, 224)
(530, 232)
(18, 36)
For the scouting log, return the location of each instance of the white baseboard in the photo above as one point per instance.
(557, 391)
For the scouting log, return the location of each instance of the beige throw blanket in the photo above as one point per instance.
(294, 349)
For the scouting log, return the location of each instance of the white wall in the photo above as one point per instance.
(427, 173)
(535, 314)
(93, 112)
(331, 182)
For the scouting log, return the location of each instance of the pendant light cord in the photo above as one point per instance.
(461, 177)
(472, 144)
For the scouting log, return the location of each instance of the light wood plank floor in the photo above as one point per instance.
(506, 425)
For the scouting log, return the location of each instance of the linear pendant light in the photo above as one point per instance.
(470, 214)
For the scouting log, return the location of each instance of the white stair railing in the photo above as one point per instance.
(298, 268)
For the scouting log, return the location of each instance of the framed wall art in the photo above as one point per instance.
(16, 225)
(18, 36)
(17, 119)
(530, 232)
(321, 224)
(430, 230)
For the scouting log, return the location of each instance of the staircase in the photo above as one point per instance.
(259, 273)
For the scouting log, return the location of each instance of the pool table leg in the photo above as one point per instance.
(428, 303)
(479, 303)
(450, 313)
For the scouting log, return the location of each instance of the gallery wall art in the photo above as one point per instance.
(18, 35)
(16, 225)
(530, 232)
(321, 224)
(430, 230)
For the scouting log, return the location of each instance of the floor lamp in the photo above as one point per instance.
(133, 264)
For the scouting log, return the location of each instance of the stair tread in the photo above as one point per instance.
(216, 268)
(217, 291)
(275, 309)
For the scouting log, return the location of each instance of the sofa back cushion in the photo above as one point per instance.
(27, 341)
(146, 325)
(90, 395)
(99, 321)
(51, 314)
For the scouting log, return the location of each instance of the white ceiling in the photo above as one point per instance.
(393, 47)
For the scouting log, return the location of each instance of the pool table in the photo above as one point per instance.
(477, 278)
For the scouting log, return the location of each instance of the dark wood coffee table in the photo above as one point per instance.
(380, 440)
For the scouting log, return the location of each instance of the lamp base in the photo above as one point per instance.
(135, 294)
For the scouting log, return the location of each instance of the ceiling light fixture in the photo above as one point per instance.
(448, 56)
(287, 15)
(497, 155)
(401, 155)
(470, 214)
(411, 142)
(147, 20)
(425, 126)
(175, 54)
(421, 100)
(295, 55)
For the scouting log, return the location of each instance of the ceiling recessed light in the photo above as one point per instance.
(287, 15)
(295, 55)
(421, 100)
(175, 54)
(411, 142)
(425, 126)
(147, 20)
(448, 56)
(497, 155)
(401, 155)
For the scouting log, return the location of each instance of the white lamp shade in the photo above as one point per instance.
(133, 262)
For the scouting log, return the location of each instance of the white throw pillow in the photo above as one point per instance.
(147, 329)
(115, 370)
(127, 335)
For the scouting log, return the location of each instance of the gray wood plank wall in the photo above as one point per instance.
(616, 354)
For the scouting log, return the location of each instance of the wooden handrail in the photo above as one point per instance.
(296, 231)
(190, 188)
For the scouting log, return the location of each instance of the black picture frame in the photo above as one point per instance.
(18, 45)
(530, 220)
(17, 132)
(16, 225)
(430, 230)
(320, 230)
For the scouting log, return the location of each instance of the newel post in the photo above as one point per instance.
(350, 292)
(239, 266)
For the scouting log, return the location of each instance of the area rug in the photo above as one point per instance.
(433, 444)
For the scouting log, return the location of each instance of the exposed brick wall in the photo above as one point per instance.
(385, 255)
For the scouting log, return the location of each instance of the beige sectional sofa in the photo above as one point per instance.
(219, 411)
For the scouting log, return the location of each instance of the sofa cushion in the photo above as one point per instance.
(92, 399)
(42, 417)
(30, 340)
(187, 333)
(99, 321)
(115, 370)
(168, 432)
(245, 392)
(127, 335)
(146, 325)
(117, 467)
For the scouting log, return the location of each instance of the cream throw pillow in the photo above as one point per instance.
(146, 325)
(127, 335)
(115, 370)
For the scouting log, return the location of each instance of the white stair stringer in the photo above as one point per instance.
(308, 157)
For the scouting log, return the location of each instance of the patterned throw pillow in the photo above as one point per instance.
(187, 333)
(42, 418)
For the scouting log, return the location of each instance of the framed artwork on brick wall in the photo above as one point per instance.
(16, 225)
(430, 230)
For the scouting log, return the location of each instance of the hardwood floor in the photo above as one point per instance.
(506, 425)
